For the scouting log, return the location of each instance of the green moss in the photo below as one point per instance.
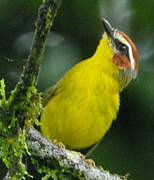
(23, 107)
(63, 174)
(2, 93)
(13, 137)
(11, 154)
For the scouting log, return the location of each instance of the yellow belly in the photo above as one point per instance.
(80, 112)
(78, 126)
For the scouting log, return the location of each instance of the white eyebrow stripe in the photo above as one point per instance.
(132, 60)
(130, 51)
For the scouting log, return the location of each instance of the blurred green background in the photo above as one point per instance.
(129, 145)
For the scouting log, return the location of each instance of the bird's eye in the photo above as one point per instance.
(122, 48)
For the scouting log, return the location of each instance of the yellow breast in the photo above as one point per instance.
(85, 102)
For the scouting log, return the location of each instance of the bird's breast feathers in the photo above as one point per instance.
(82, 109)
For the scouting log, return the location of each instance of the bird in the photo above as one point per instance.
(80, 108)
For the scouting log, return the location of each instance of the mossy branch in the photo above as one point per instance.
(23, 107)
(69, 164)
(29, 77)
(20, 112)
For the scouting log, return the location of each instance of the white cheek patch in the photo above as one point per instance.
(130, 52)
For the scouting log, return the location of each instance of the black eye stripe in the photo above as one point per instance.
(122, 48)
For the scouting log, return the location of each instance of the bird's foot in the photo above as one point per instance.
(89, 161)
(59, 144)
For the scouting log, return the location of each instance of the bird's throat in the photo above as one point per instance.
(104, 59)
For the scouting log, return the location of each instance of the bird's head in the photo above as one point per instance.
(125, 55)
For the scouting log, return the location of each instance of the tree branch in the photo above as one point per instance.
(74, 163)
(24, 104)
(46, 15)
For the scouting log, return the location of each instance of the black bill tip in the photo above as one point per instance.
(108, 28)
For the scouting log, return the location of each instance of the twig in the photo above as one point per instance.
(29, 77)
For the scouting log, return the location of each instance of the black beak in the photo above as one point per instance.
(108, 28)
